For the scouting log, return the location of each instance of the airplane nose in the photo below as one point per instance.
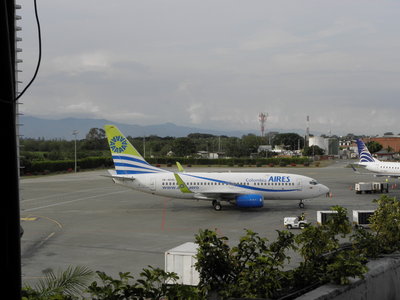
(324, 189)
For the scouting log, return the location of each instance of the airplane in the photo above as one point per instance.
(377, 167)
(245, 190)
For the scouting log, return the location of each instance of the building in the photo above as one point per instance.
(264, 148)
(392, 141)
(329, 145)
(211, 155)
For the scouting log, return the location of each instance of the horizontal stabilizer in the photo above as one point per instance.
(113, 175)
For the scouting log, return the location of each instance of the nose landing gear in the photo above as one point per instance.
(301, 204)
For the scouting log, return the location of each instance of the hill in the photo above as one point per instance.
(34, 127)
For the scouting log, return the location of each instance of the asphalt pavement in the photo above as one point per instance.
(85, 219)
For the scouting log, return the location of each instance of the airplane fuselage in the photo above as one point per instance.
(382, 168)
(379, 168)
(245, 190)
(204, 185)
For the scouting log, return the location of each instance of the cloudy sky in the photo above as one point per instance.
(217, 63)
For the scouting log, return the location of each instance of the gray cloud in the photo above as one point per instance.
(218, 63)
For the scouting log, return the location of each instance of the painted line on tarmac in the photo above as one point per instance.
(45, 239)
(61, 194)
(35, 217)
(164, 214)
(72, 201)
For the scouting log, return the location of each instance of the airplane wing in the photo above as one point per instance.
(387, 175)
(204, 195)
(215, 196)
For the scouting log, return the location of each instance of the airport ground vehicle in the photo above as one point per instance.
(294, 222)
(361, 218)
(371, 187)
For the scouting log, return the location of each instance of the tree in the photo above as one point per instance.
(200, 136)
(250, 143)
(183, 146)
(153, 284)
(313, 150)
(251, 269)
(374, 146)
(95, 140)
(63, 285)
(235, 148)
(385, 222)
(96, 134)
(291, 141)
(324, 260)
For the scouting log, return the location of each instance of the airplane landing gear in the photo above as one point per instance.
(217, 205)
(301, 204)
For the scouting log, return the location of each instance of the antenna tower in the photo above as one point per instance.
(307, 131)
(263, 119)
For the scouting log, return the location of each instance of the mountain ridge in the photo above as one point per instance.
(34, 127)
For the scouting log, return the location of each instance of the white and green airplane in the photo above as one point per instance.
(240, 189)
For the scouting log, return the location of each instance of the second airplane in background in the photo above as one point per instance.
(240, 189)
(377, 167)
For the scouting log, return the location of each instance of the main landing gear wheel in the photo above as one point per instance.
(301, 204)
(217, 205)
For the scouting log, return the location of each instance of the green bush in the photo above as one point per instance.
(229, 161)
(48, 166)
(254, 268)
(385, 229)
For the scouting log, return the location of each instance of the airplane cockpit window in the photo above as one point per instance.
(313, 182)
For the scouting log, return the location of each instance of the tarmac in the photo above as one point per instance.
(85, 219)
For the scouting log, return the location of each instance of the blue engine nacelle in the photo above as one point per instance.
(250, 200)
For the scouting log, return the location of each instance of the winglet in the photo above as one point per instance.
(180, 168)
(182, 185)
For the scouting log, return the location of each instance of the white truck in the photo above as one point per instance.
(361, 218)
(294, 222)
(181, 260)
(371, 187)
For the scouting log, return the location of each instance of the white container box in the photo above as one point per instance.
(324, 215)
(361, 218)
(181, 260)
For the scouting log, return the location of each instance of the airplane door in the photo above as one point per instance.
(299, 185)
(152, 184)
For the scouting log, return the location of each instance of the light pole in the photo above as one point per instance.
(75, 133)
(144, 146)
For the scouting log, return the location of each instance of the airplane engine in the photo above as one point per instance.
(250, 200)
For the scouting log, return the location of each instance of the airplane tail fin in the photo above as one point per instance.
(363, 152)
(127, 159)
